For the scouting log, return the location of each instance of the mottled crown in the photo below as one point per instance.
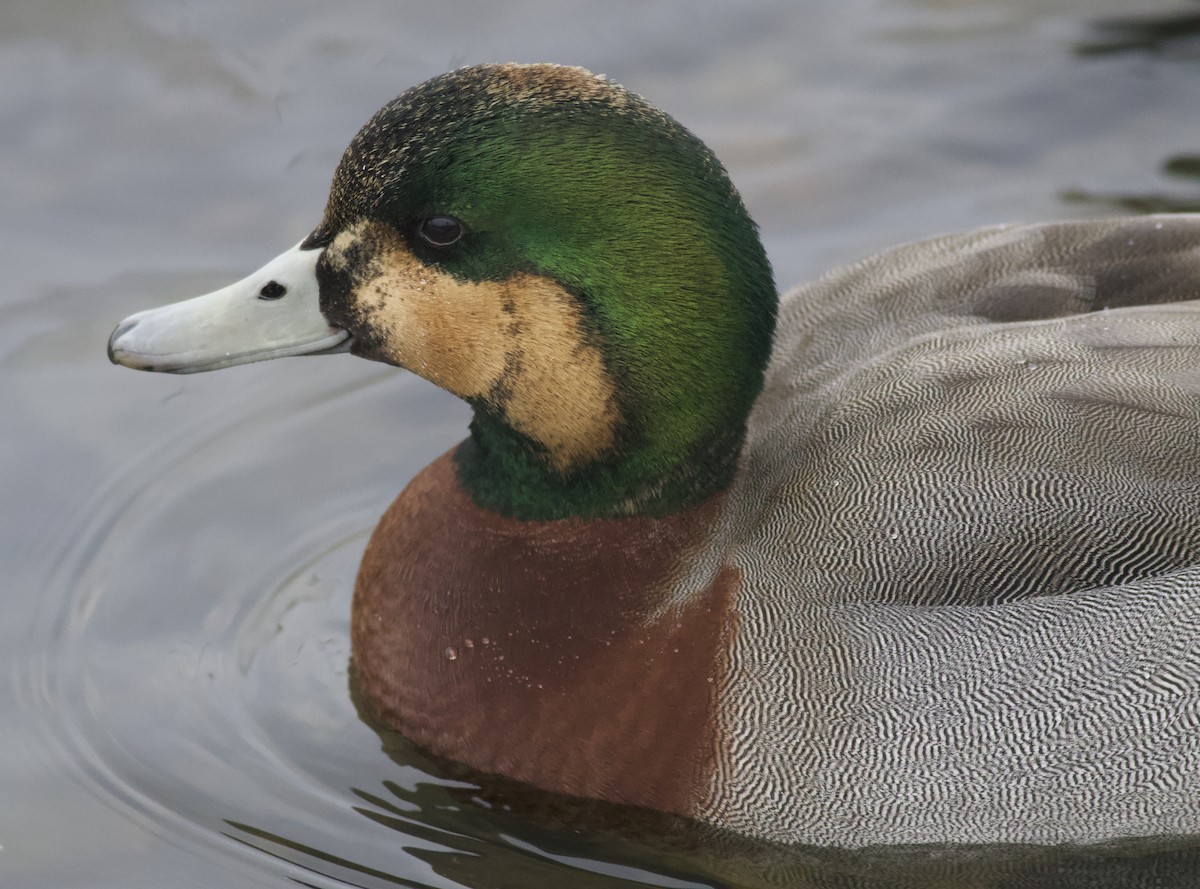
(427, 125)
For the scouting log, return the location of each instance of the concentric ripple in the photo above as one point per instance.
(196, 676)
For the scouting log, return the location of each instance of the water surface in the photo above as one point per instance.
(178, 553)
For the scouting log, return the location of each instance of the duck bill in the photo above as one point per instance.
(272, 313)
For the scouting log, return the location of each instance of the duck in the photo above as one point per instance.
(908, 555)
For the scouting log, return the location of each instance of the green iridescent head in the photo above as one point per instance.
(573, 263)
(634, 248)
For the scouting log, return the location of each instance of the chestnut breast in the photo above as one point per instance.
(546, 652)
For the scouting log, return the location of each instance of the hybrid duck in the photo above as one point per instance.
(909, 555)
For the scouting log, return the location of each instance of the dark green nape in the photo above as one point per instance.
(568, 176)
(506, 472)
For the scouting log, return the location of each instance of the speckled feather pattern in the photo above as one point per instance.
(968, 522)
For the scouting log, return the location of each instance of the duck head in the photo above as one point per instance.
(545, 245)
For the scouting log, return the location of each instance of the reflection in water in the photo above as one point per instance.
(1183, 165)
(484, 830)
(271, 843)
(1176, 33)
(1134, 203)
(1178, 166)
(495, 832)
(477, 830)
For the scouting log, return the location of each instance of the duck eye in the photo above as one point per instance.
(441, 231)
(272, 290)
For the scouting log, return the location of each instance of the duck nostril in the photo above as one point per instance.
(272, 290)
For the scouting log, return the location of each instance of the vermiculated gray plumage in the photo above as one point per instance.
(969, 527)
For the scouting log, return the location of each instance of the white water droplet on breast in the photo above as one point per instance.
(451, 653)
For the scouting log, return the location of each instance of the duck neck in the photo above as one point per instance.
(506, 472)
(671, 432)
(665, 313)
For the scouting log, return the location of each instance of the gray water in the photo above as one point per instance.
(178, 553)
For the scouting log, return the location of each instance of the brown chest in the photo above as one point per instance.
(541, 650)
